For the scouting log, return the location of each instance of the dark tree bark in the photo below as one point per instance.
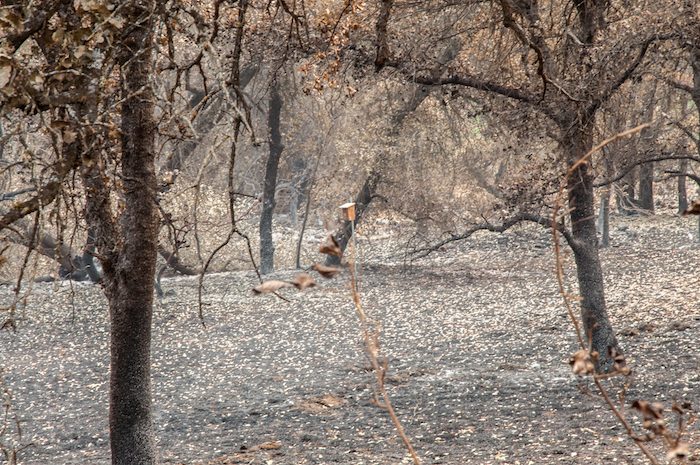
(129, 248)
(626, 196)
(682, 191)
(362, 201)
(604, 210)
(589, 271)
(646, 170)
(646, 187)
(604, 219)
(267, 246)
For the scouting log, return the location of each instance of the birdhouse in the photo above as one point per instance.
(348, 211)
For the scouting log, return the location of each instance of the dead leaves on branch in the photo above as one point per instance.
(654, 421)
(583, 362)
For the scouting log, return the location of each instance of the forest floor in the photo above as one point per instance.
(477, 340)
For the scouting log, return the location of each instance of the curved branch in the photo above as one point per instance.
(675, 174)
(499, 228)
(11, 195)
(629, 168)
(626, 74)
(174, 262)
(479, 84)
(45, 194)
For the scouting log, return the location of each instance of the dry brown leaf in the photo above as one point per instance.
(69, 136)
(680, 452)
(326, 271)
(270, 286)
(650, 411)
(694, 209)
(320, 404)
(331, 247)
(270, 445)
(303, 280)
(582, 362)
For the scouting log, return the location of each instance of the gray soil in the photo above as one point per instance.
(476, 336)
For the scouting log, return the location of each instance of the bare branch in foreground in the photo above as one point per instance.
(583, 361)
(370, 336)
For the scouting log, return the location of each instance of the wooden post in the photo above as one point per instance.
(349, 214)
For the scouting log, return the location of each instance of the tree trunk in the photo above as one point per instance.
(362, 201)
(594, 315)
(300, 240)
(604, 211)
(682, 191)
(626, 196)
(646, 187)
(695, 94)
(646, 138)
(300, 186)
(129, 281)
(267, 246)
(604, 219)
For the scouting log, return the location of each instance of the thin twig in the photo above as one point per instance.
(371, 340)
(597, 377)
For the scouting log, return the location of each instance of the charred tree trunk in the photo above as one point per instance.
(646, 187)
(362, 201)
(267, 246)
(626, 196)
(598, 329)
(695, 94)
(604, 210)
(646, 139)
(682, 191)
(604, 219)
(131, 261)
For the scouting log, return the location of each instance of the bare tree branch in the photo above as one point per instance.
(675, 174)
(478, 84)
(12, 195)
(45, 194)
(36, 22)
(630, 167)
(605, 95)
(504, 226)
